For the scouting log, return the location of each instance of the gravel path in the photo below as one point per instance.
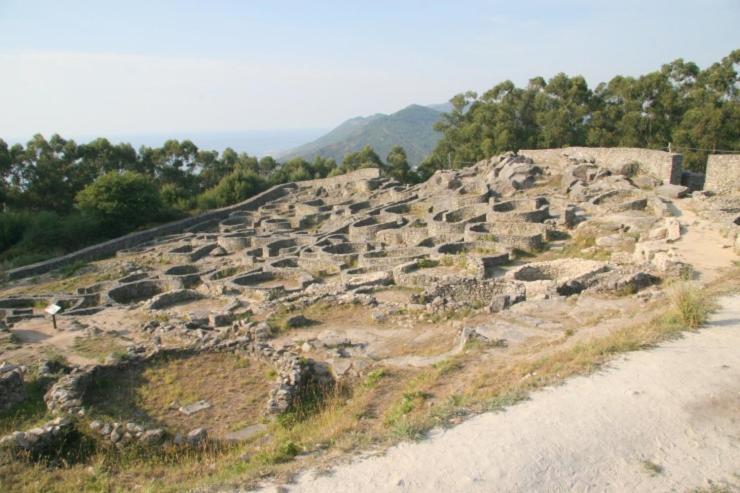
(666, 419)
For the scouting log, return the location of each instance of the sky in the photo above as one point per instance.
(105, 68)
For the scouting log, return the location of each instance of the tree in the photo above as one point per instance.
(364, 158)
(121, 201)
(398, 165)
(239, 185)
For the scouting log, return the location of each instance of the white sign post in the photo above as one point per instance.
(52, 310)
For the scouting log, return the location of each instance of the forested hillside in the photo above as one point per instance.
(695, 110)
(411, 128)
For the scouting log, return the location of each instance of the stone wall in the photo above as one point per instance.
(664, 165)
(12, 389)
(354, 176)
(723, 173)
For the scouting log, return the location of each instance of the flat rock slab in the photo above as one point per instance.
(246, 433)
(191, 409)
(672, 191)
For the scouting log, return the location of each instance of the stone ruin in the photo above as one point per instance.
(460, 240)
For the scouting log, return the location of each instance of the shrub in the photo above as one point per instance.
(233, 188)
(691, 305)
(121, 201)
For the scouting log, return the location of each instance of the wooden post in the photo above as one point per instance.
(54, 321)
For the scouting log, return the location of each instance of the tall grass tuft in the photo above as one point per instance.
(691, 304)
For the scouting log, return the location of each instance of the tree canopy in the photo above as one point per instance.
(694, 110)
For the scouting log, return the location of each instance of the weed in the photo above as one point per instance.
(426, 263)
(408, 429)
(282, 452)
(690, 303)
(504, 400)
(652, 468)
(374, 377)
(72, 269)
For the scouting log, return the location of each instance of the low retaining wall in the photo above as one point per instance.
(664, 165)
(353, 176)
(723, 173)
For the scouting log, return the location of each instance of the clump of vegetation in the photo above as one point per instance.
(426, 263)
(282, 452)
(375, 376)
(564, 111)
(120, 202)
(690, 303)
(652, 468)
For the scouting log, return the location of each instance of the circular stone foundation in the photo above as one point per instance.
(221, 392)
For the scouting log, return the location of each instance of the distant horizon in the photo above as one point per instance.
(259, 142)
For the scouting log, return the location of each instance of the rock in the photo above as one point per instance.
(610, 241)
(220, 319)
(297, 321)
(340, 366)
(116, 436)
(12, 386)
(152, 437)
(196, 436)
(673, 229)
(672, 191)
(499, 303)
(51, 368)
(194, 408)
(218, 252)
(331, 339)
(246, 433)
(105, 429)
(646, 182)
(233, 306)
(134, 428)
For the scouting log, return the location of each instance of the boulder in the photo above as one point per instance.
(672, 191)
(196, 436)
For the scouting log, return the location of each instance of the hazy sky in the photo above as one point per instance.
(125, 67)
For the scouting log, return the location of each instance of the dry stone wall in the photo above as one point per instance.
(723, 173)
(664, 165)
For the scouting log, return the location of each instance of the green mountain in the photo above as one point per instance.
(410, 128)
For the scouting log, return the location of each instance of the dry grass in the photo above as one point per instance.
(97, 347)
(236, 387)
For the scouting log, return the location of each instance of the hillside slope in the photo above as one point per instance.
(410, 128)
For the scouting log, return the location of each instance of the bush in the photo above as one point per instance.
(121, 202)
(233, 188)
(45, 234)
(691, 304)
(12, 227)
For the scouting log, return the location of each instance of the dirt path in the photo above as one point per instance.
(667, 419)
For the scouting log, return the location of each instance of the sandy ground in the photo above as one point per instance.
(676, 406)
